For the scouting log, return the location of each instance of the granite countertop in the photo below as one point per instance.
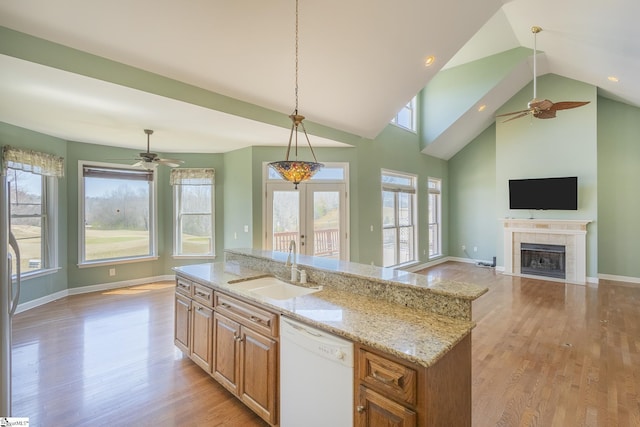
(467, 291)
(417, 336)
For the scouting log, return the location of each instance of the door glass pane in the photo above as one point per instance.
(326, 224)
(286, 219)
(388, 209)
(389, 238)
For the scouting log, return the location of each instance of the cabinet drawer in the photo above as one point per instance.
(203, 294)
(394, 378)
(249, 315)
(184, 286)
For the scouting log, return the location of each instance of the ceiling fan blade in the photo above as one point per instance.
(565, 105)
(138, 163)
(513, 112)
(522, 114)
(174, 163)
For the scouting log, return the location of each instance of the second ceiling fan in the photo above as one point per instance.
(541, 108)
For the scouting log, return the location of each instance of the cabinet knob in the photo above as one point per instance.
(360, 409)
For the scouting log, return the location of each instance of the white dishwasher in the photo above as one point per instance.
(316, 377)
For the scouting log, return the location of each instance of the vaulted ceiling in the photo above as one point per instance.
(225, 69)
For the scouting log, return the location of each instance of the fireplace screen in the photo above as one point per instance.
(543, 260)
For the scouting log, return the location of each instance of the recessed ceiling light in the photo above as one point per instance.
(429, 60)
(612, 79)
(482, 107)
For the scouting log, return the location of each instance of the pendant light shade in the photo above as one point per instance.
(296, 171)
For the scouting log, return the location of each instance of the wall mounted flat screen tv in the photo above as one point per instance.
(544, 193)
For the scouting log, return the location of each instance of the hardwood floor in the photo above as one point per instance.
(106, 359)
(552, 354)
(544, 354)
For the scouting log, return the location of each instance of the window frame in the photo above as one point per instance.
(177, 227)
(412, 108)
(153, 215)
(49, 256)
(397, 189)
(434, 190)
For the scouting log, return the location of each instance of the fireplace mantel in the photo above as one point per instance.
(572, 233)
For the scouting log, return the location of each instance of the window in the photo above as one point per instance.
(32, 219)
(193, 207)
(406, 117)
(398, 218)
(117, 213)
(33, 185)
(435, 213)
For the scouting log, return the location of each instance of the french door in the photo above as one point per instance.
(314, 216)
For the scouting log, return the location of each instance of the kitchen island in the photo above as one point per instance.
(412, 335)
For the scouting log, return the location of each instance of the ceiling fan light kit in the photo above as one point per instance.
(149, 160)
(540, 108)
(296, 171)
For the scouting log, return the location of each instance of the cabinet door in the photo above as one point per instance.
(226, 355)
(182, 320)
(201, 335)
(375, 410)
(258, 373)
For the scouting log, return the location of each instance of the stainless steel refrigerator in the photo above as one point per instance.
(9, 295)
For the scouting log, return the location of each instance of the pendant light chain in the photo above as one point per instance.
(296, 85)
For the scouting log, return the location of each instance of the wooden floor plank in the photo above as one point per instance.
(544, 354)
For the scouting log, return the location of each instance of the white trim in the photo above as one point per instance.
(616, 278)
(92, 288)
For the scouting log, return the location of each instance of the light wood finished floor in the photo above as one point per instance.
(544, 354)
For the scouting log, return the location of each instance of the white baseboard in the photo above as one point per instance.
(92, 288)
(635, 280)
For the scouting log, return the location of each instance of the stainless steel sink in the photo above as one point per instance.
(272, 287)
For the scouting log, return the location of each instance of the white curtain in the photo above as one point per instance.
(192, 176)
(32, 161)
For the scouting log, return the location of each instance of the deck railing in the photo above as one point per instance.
(325, 242)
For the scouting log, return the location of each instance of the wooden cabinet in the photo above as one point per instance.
(182, 322)
(233, 340)
(201, 335)
(194, 321)
(394, 392)
(375, 410)
(245, 356)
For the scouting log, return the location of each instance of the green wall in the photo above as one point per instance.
(618, 182)
(472, 201)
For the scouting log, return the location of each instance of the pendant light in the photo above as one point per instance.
(296, 170)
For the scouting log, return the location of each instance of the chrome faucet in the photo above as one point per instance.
(292, 250)
(294, 264)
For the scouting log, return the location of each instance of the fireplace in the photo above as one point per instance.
(569, 233)
(543, 260)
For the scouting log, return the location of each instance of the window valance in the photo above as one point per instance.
(192, 176)
(32, 161)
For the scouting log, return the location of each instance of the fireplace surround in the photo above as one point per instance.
(572, 234)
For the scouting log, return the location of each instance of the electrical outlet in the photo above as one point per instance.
(112, 272)
(235, 236)
(464, 248)
(246, 228)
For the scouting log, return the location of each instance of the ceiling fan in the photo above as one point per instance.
(150, 160)
(541, 109)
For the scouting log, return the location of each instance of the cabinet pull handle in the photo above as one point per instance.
(360, 409)
(225, 305)
(202, 294)
(255, 319)
(382, 378)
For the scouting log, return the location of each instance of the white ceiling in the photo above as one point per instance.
(360, 61)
